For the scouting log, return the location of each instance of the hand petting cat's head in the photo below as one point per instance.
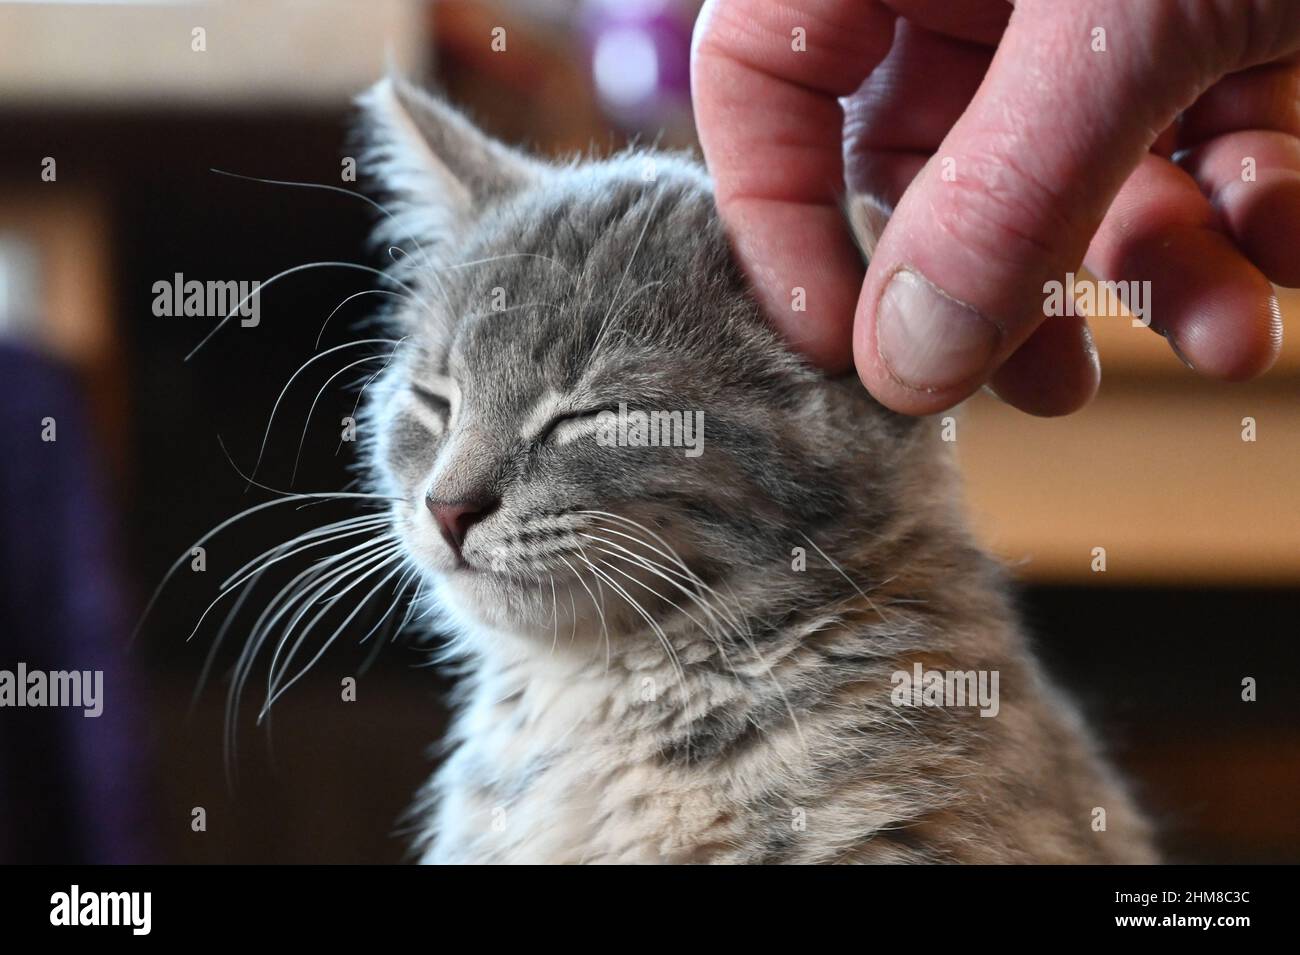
(553, 318)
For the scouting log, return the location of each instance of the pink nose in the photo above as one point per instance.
(457, 517)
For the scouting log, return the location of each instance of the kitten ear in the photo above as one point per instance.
(436, 164)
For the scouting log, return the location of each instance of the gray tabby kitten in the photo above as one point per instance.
(691, 653)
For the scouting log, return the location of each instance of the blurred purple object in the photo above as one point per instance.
(70, 786)
(640, 58)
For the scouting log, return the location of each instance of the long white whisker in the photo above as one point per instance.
(228, 588)
(247, 512)
(555, 617)
(743, 632)
(302, 268)
(326, 187)
(328, 531)
(277, 693)
(297, 589)
(669, 574)
(659, 633)
(508, 255)
(369, 291)
(377, 552)
(281, 603)
(218, 641)
(360, 393)
(399, 595)
(654, 204)
(407, 579)
(826, 557)
(312, 410)
(643, 613)
(635, 561)
(266, 437)
(670, 553)
(250, 481)
(600, 612)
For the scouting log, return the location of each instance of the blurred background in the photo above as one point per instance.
(112, 118)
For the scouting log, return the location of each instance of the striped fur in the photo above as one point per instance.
(685, 659)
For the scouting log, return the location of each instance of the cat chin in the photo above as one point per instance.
(475, 599)
(524, 614)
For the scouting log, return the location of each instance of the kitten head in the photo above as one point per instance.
(587, 424)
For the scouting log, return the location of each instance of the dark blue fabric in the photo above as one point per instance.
(70, 787)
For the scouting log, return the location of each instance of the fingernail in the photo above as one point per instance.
(929, 340)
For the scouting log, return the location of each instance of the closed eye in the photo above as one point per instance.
(435, 402)
(571, 424)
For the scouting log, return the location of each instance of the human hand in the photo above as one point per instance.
(1010, 149)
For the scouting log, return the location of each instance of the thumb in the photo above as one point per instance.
(1072, 100)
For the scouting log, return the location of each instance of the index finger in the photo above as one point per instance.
(766, 80)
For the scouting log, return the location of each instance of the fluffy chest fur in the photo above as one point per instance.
(798, 755)
(562, 764)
